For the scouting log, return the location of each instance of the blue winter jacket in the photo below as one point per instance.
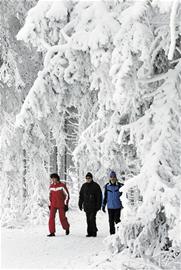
(112, 196)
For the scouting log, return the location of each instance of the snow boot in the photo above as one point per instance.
(92, 235)
(67, 232)
(89, 235)
(51, 234)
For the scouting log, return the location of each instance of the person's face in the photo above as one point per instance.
(88, 179)
(113, 180)
(54, 180)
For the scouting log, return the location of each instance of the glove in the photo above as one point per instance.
(103, 209)
(66, 208)
(49, 207)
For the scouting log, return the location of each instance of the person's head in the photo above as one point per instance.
(89, 177)
(55, 178)
(113, 177)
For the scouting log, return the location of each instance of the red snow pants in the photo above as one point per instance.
(63, 219)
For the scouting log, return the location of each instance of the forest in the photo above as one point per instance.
(94, 86)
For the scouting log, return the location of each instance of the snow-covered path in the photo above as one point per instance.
(30, 248)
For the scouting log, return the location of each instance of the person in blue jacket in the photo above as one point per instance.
(112, 199)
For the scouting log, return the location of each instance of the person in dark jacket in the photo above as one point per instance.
(112, 199)
(59, 199)
(90, 199)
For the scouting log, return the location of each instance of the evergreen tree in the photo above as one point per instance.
(114, 68)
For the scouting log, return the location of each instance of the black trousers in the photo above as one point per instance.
(114, 217)
(91, 223)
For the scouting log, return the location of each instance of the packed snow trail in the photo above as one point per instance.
(29, 247)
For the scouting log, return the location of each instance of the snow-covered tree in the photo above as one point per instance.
(112, 73)
(146, 74)
(19, 66)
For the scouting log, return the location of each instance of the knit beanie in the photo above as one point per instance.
(89, 175)
(113, 174)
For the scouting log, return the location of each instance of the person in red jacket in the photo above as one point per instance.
(59, 199)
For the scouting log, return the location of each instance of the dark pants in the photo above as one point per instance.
(91, 223)
(114, 217)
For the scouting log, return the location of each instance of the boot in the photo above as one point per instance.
(67, 232)
(51, 234)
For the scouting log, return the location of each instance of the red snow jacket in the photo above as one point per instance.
(59, 195)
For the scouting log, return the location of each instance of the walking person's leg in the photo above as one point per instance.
(88, 224)
(52, 220)
(111, 221)
(117, 214)
(93, 227)
(64, 220)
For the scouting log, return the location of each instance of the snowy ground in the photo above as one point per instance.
(31, 248)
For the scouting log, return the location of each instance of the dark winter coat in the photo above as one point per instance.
(112, 196)
(90, 197)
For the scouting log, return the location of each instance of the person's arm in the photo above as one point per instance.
(50, 198)
(67, 195)
(121, 193)
(120, 185)
(81, 197)
(98, 197)
(105, 197)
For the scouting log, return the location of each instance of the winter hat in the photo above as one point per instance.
(113, 174)
(89, 175)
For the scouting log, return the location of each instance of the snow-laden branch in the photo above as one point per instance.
(42, 41)
(51, 52)
(173, 29)
(66, 37)
(178, 49)
(154, 78)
